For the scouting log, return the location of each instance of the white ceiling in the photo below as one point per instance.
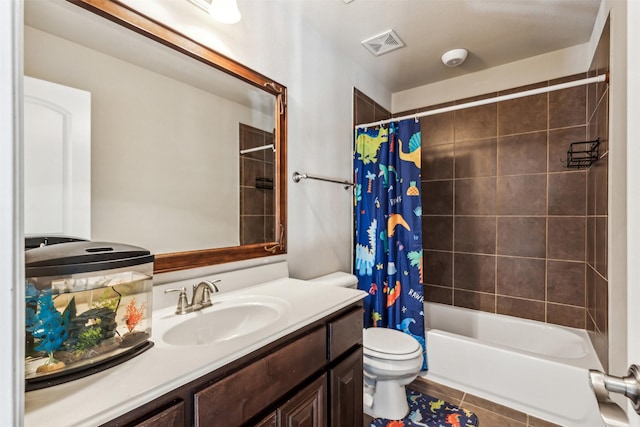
(495, 32)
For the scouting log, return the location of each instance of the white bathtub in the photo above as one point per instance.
(534, 367)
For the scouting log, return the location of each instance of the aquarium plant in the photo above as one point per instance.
(50, 329)
(134, 314)
(89, 329)
(89, 338)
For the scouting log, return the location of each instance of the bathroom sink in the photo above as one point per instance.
(225, 320)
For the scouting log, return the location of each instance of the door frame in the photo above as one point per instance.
(11, 227)
(633, 192)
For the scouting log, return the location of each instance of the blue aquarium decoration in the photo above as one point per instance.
(46, 327)
(50, 326)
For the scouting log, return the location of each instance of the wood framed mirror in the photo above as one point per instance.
(236, 172)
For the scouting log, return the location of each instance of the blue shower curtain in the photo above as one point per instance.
(388, 216)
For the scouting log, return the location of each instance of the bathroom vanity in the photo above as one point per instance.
(312, 374)
(301, 364)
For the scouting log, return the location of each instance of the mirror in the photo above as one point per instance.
(188, 147)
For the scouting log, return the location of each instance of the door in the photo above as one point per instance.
(57, 159)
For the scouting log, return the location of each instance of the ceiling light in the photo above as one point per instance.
(454, 57)
(225, 11)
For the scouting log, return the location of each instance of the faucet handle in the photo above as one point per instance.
(210, 286)
(183, 303)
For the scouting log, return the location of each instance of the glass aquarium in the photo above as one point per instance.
(88, 307)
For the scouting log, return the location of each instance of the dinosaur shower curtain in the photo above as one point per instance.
(388, 216)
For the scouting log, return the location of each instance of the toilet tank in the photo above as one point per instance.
(338, 278)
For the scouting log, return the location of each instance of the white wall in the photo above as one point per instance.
(561, 63)
(272, 39)
(11, 249)
(149, 167)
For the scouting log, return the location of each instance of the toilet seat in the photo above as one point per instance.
(390, 344)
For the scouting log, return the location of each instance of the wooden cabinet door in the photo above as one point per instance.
(269, 421)
(308, 408)
(345, 382)
(173, 416)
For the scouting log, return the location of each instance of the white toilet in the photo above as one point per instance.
(392, 359)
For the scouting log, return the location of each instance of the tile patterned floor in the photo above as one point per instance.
(489, 414)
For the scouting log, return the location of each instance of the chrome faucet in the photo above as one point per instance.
(202, 294)
(602, 384)
(200, 299)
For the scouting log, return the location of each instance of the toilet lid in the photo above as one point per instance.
(390, 344)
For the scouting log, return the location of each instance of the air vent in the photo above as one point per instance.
(383, 43)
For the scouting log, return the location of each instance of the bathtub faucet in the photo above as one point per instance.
(602, 384)
(629, 386)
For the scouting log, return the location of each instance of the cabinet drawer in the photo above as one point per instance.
(243, 394)
(344, 333)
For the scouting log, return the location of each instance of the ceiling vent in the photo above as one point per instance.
(383, 43)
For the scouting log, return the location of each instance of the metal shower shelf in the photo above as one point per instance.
(582, 154)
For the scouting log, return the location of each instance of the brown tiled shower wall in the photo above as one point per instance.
(507, 227)
(505, 221)
(257, 205)
(366, 110)
(504, 225)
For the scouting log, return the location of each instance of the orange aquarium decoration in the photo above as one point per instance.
(134, 314)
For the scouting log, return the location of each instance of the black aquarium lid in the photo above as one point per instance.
(81, 257)
(33, 242)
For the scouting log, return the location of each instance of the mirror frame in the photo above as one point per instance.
(131, 19)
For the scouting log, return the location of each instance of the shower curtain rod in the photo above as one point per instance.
(298, 176)
(600, 78)
(262, 147)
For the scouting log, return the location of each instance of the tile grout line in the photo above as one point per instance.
(546, 237)
(496, 210)
(453, 218)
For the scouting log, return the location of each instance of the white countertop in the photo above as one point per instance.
(101, 397)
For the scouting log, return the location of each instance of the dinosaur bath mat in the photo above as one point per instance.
(428, 411)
